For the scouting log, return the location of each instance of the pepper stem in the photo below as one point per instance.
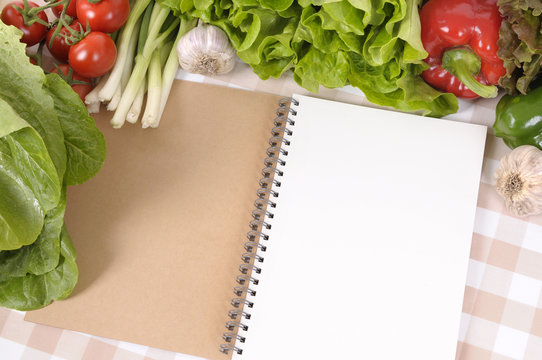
(465, 64)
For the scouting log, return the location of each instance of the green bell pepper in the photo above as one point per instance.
(519, 119)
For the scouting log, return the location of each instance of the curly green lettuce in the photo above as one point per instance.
(332, 44)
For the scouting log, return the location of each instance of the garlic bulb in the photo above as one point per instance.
(519, 180)
(206, 50)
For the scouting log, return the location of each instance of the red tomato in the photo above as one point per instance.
(60, 49)
(32, 34)
(107, 16)
(71, 10)
(81, 89)
(93, 56)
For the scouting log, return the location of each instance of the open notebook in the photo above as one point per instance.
(367, 253)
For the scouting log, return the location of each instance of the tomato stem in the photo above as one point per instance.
(63, 19)
(30, 14)
(38, 55)
(68, 78)
(74, 36)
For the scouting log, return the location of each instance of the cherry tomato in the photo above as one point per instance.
(71, 10)
(93, 56)
(32, 34)
(107, 16)
(81, 89)
(60, 49)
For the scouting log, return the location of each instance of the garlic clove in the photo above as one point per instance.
(206, 50)
(518, 180)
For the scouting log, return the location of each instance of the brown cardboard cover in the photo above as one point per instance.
(160, 230)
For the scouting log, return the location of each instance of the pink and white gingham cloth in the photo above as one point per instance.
(502, 310)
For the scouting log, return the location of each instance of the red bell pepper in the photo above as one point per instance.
(460, 37)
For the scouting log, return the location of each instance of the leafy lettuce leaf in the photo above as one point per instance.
(30, 186)
(22, 87)
(21, 216)
(32, 292)
(21, 212)
(85, 143)
(319, 68)
(34, 166)
(41, 256)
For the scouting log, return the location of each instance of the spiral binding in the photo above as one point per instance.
(261, 215)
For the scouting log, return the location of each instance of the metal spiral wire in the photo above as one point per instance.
(254, 247)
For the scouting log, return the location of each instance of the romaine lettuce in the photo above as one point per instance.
(85, 144)
(21, 85)
(42, 255)
(31, 291)
(21, 209)
(47, 142)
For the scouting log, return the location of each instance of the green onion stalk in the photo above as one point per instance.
(109, 88)
(142, 62)
(171, 66)
(146, 64)
(154, 85)
(91, 100)
(137, 104)
(162, 24)
(126, 71)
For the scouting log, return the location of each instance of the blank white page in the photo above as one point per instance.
(367, 257)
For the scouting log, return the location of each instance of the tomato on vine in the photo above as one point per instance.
(59, 47)
(33, 25)
(70, 10)
(94, 55)
(106, 15)
(80, 84)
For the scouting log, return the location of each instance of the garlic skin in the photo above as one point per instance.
(519, 180)
(206, 50)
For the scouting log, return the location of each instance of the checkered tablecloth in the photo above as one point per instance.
(502, 311)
